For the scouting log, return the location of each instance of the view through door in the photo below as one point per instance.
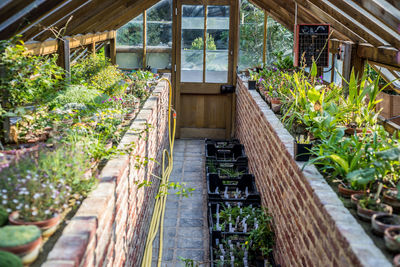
(204, 56)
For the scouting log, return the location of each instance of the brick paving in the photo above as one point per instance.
(185, 222)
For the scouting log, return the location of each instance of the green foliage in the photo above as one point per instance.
(12, 235)
(76, 94)
(198, 43)
(262, 239)
(29, 79)
(3, 216)
(8, 259)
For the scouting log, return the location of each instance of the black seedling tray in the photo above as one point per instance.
(226, 170)
(235, 154)
(212, 220)
(223, 143)
(246, 180)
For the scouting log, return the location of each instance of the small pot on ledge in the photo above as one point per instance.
(48, 227)
(347, 192)
(276, 104)
(382, 221)
(302, 151)
(367, 213)
(389, 197)
(355, 198)
(392, 240)
(252, 84)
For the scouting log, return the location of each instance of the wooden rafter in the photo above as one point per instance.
(373, 24)
(32, 16)
(52, 18)
(389, 16)
(13, 7)
(51, 46)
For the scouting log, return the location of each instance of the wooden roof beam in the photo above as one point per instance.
(370, 22)
(382, 11)
(119, 20)
(347, 21)
(32, 16)
(12, 7)
(52, 17)
(78, 17)
(384, 55)
(51, 46)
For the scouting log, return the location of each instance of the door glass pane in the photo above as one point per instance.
(192, 43)
(217, 45)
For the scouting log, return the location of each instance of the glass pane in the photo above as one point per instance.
(159, 24)
(217, 44)
(131, 34)
(279, 41)
(192, 43)
(159, 60)
(251, 35)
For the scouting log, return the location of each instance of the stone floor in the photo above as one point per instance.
(185, 222)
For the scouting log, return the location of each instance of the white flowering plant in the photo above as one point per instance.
(34, 197)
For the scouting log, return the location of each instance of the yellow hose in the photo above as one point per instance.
(157, 221)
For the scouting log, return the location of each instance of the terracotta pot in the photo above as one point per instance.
(366, 214)
(381, 221)
(392, 201)
(351, 131)
(346, 192)
(389, 236)
(48, 227)
(396, 261)
(276, 105)
(355, 198)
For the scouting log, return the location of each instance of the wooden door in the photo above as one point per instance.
(204, 58)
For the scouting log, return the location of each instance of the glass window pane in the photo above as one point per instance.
(251, 35)
(217, 44)
(279, 41)
(131, 34)
(192, 43)
(159, 24)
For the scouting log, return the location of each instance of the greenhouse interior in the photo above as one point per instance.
(226, 133)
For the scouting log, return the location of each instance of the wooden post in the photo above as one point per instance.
(92, 48)
(346, 64)
(265, 36)
(107, 50)
(64, 56)
(333, 67)
(144, 39)
(357, 62)
(113, 51)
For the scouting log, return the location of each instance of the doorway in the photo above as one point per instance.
(204, 56)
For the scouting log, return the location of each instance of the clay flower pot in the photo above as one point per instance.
(355, 198)
(276, 105)
(396, 261)
(391, 200)
(346, 192)
(366, 214)
(381, 221)
(390, 238)
(48, 227)
(28, 252)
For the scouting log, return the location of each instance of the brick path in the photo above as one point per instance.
(185, 222)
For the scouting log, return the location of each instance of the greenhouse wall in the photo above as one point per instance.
(312, 226)
(110, 228)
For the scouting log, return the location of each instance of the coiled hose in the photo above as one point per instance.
(157, 221)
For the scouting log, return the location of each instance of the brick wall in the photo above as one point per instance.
(312, 226)
(110, 227)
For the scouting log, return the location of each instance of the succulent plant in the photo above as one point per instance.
(3, 216)
(13, 235)
(8, 259)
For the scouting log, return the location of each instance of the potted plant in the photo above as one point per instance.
(302, 148)
(23, 241)
(392, 197)
(253, 80)
(381, 221)
(392, 238)
(8, 259)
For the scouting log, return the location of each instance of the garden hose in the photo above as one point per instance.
(157, 221)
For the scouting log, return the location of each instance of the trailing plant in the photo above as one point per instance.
(12, 235)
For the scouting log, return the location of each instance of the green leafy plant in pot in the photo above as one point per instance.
(24, 241)
(302, 147)
(8, 259)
